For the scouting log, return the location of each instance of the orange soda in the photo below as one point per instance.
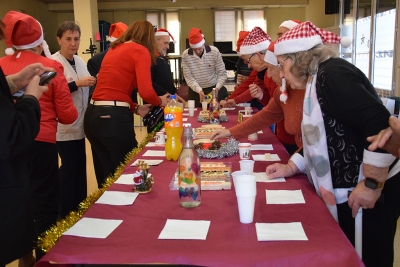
(173, 129)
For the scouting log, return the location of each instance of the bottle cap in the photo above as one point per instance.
(172, 96)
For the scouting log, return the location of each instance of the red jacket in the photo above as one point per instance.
(56, 104)
(242, 92)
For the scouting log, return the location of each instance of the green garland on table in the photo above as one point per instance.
(50, 237)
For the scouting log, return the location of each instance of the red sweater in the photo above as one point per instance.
(275, 111)
(56, 104)
(123, 69)
(242, 92)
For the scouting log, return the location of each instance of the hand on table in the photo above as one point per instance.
(201, 95)
(143, 110)
(222, 103)
(86, 81)
(230, 103)
(165, 99)
(388, 139)
(281, 170)
(35, 89)
(222, 133)
(255, 91)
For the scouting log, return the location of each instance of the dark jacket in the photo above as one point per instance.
(19, 125)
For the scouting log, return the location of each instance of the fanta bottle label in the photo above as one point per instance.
(172, 120)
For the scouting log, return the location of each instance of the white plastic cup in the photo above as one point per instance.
(248, 110)
(204, 106)
(246, 209)
(244, 150)
(253, 137)
(160, 139)
(247, 165)
(191, 111)
(246, 191)
(190, 103)
(236, 174)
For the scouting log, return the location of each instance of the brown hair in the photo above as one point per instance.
(2, 26)
(141, 32)
(68, 26)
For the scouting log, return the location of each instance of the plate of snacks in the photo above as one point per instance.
(216, 149)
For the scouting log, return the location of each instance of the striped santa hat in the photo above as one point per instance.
(305, 36)
(289, 24)
(257, 40)
(164, 32)
(23, 32)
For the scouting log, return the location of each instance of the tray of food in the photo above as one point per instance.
(214, 176)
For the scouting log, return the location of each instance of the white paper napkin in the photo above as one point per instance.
(126, 179)
(149, 144)
(274, 157)
(260, 132)
(184, 119)
(285, 197)
(228, 108)
(261, 147)
(185, 114)
(149, 162)
(185, 229)
(280, 231)
(263, 178)
(186, 109)
(154, 153)
(94, 228)
(117, 198)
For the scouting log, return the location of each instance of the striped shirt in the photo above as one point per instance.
(205, 71)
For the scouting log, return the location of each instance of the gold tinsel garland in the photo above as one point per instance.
(50, 237)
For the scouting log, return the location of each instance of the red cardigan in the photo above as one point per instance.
(123, 69)
(56, 104)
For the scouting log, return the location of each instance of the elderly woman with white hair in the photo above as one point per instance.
(341, 109)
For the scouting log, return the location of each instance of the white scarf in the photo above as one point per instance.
(316, 148)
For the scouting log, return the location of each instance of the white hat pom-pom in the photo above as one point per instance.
(9, 51)
(345, 41)
(283, 97)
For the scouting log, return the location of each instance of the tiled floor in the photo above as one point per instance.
(140, 134)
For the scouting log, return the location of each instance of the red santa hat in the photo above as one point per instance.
(289, 24)
(256, 41)
(116, 30)
(164, 32)
(196, 38)
(305, 36)
(23, 32)
(270, 56)
(242, 36)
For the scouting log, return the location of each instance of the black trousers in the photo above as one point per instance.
(379, 226)
(192, 95)
(73, 177)
(110, 132)
(44, 187)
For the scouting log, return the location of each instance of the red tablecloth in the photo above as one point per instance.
(228, 243)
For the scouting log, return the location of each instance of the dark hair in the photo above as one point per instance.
(141, 32)
(68, 26)
(2, 26)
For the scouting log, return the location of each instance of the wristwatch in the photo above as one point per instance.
(373, 183)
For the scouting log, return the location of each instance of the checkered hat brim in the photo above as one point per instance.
(256, 41)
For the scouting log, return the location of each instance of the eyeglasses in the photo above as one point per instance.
(248, 60)
(280, 64)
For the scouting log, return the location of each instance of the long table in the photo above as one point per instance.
(228, 243)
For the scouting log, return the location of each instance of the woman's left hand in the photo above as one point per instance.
(363, 197)
(143, 109)
(255, 91)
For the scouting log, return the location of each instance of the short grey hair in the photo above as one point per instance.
(306, 63)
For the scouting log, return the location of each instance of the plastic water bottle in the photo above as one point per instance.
(173, 129)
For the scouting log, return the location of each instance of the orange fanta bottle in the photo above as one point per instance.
(173, 129)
